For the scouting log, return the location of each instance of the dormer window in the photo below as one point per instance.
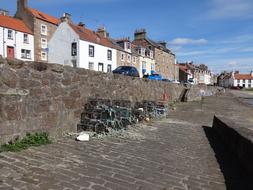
(10, 34)
(128, 45)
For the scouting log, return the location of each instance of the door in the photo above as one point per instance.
(10, 52)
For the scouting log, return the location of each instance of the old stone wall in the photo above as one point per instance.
(49, 97)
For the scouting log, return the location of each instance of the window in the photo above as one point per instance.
(128, 58)
(26, 39)
(43, 43)
(238, 81)
(109, 68)
(74, 49)
(44, 56)
(152, 66)
(128, 45)
(25, 54)
(100, 67)
(109, 54)
(43, 29)
(91, 51)
(91, 65)
(122, 56)
(142, 51)
(151, 55)
(144, 65)
(134, 59)
(249, 81)
(10, 34)
(243, 80)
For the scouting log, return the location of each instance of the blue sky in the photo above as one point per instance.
(218, 33)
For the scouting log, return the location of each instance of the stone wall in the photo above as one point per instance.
(49, 97)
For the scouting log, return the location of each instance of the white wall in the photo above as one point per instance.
(60, 45)
(148, 62)
(17, 42)
(241, 83)
(100, 56)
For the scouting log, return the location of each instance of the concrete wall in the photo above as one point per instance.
(52, 99)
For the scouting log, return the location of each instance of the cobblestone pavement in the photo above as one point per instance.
(174, 154)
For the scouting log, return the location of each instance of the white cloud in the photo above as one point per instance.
(188, 41)
(226, 9)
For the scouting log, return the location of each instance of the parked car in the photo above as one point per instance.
(154, 76)
(127, 70)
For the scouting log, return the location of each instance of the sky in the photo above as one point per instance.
(218, 33)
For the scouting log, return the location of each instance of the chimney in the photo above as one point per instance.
(140, 34)
(81, 24)
(102, 32)
(66, 17)
(163, 43)
(21, 4)
(4, 12)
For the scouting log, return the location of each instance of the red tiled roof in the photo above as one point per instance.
(90, 36)
(243, 77)
(43, 16)
(13, 23)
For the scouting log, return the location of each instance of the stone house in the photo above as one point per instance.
(164, 58)
(42, 26)
(16, 39)
(78, 46)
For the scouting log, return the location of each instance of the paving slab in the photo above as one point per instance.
(177, 153)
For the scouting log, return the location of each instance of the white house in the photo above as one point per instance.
(77, 46)
(16, 40)
(243, 80)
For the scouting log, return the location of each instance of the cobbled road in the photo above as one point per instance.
(173, 154)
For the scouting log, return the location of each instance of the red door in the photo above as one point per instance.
(10, 52)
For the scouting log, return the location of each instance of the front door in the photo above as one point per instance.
(10, 52)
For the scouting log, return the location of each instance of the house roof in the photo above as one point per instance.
(91, 36)
(13, 23)
(243, 77)
(44, 16)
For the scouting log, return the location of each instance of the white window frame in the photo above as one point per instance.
(91, 51)
(91, 64)
(122, 56)
(43, 43)
(134, 59)
(129, 58)
(25, 54)
(26, 38)
(109, 54)
(43, 57)
(10, 34)
(43, 29)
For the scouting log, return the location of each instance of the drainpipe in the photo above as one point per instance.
(3, 43)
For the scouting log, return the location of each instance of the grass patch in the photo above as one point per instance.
(249, 89)
(29, 140)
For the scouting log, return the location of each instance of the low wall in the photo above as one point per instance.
(50, 97)
(238, 137)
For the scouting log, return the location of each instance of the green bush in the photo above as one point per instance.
(29, 140)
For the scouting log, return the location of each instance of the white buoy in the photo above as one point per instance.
(83, 137)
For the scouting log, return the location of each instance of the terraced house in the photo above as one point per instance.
(78, 46)
(164, 59)
(16, 39)
(42, 26)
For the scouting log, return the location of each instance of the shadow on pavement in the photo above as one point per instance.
(236, 178)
